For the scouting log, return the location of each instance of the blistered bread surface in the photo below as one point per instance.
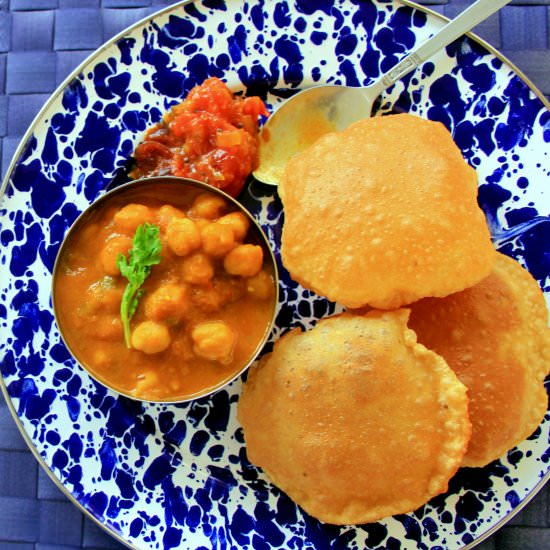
(496, 338)
(354, 420)
(384, 213)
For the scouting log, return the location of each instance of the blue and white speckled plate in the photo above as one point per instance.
(169, 476)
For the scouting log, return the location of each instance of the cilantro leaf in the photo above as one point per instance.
(145, 253)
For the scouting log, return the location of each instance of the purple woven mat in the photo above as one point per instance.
(41, 42)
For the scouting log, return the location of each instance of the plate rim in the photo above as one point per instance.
(61, 88)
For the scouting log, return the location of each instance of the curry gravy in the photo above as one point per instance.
(211, 322)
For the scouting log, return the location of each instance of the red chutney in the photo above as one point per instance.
(212, 136)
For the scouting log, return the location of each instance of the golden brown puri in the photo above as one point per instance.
(496, 338)
(384, 213)
(354, 420)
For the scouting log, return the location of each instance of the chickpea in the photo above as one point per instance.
(175, 385)
(92, 230)
(106, 327)
(103, 295)
(130, 216)
(214, 340)
(217, 239)
(197, 269)
(166, 213)
(116, 245)
(260, 286)
(201, 223)
(183, 236)
(207, 205)
(146, 381)
(245, 260)
(151, 337)
(101, 358)
(169, 302)
(238, 222)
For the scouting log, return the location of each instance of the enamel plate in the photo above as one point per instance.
(177, 476)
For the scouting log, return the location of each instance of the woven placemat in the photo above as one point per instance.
(41, 42)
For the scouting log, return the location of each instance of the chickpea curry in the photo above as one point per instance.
(165, 291)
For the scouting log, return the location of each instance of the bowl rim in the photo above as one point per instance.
(177, 181)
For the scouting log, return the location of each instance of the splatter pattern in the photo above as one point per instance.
(176, 476)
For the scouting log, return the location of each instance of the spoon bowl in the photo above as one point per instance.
(313, 112)
(303, 119)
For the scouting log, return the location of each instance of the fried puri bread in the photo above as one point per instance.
(496, 338)
(384, 213)
(354, 420)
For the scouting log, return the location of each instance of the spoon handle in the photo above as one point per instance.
(469, 18)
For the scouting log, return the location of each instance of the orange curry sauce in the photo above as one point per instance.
(205, 310)
(212, 136)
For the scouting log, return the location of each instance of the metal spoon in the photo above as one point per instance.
(309, 114)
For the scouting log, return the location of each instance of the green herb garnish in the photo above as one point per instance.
(145, 253)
